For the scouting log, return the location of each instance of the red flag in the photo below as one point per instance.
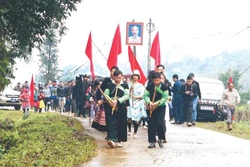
(115, 50)
(88, 52)
(155, 50)
(32, 91)
(230, 80)
(135, 66)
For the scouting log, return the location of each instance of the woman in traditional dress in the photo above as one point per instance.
(136, 110)
(99, 121)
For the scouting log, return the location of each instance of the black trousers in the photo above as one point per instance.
(157, 124)
(187, 111)
(116, 124)
(80, 106)
(46, 100)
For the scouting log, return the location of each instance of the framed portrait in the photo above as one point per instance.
(134, 33)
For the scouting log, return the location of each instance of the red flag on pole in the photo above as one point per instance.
(115, 50)
(230, 80)
(88, 52)
(32, 91)
(135, 66)
(155, 50)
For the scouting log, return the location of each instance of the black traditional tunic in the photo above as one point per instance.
(156, 121)
(117, 122)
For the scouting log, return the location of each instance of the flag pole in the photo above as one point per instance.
(150, 27)
(134, 47)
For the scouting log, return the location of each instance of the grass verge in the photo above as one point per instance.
(46, 139)
(240, 129)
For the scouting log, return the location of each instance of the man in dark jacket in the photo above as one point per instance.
(156, 96)
(189, 93)
(117, 118)
(103, 87)
(195, 102)
(177, 100)
(79, 94)
(61, 94)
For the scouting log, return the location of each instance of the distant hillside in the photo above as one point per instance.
(209, 67)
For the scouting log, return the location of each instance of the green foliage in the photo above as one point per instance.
(241, 125)
(224, 77)
(240, 129)
(235, 74)
(28, 22)
(6, 65)
(24, 25)
(243, 113)
(47, 139)
(245, 97)
(48, 62)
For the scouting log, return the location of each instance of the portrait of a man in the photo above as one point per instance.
(134, 33)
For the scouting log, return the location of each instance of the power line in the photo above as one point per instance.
(244, 71)
(99, 51)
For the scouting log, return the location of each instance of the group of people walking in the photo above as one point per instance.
(121, 105)
(117, 105)
(126, 104)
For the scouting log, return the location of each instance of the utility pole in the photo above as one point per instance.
(134, 47)
(150, 27)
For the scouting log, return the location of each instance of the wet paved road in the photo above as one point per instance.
(186, 147)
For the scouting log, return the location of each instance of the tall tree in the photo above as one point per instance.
(235, 74)
(48, 58)
(24, 25)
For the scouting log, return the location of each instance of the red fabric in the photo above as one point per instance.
(155, 50)
(135, 66)
(25, 99)
(230, 80)
(115, 50)
(88, 52)
(88, 90)
(32, 91)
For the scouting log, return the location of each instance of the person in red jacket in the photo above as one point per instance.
(25, 99)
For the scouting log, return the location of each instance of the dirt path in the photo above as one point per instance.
(186, 147)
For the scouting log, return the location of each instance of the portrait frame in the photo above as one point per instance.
(129, 34)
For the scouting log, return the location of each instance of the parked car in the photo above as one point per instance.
(211, 93)
(10, 97)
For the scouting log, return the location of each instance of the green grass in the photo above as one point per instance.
(47, 139)
(241, 125)
(240, 129)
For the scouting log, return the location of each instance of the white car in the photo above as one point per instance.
(10, 97)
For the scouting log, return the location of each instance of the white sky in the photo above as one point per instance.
(186, 27)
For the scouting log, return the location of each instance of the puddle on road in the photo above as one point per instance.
(134, 152)
(106, 156)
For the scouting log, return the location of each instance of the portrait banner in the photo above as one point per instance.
(134, 33)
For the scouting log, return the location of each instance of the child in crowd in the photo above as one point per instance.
(41, 104)
(25, 99)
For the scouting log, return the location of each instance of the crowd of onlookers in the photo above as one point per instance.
(75, 96)
(72, 96)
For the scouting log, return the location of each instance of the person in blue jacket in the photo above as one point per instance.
(177, 100)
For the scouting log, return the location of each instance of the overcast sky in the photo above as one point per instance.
(195, 27)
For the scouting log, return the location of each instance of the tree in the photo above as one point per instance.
(24, 24)
(224, 77)
(245, 97)
(235, 74)
(48, 62)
